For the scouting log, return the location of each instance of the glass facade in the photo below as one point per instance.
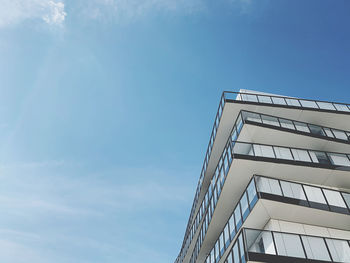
(292, 125)
(292, 154)
(258, 187)
(295, 246)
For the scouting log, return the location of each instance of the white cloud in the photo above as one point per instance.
(128, 10)
(55, 14)
(13, 12)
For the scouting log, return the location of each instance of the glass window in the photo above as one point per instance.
(217, 250)
(260, 241)
(339, 249)
(264, 99)
(229, 258)
(340, 135)
(231, 223)
(325, 105)
(241, 248)
(301, 126)
(328, 132)
(339, 159)
(270, 120)
(248, 97)
(293, 102)
(319, 157)
(268, 185)
(308, 104)
(235, 252)
(341, 107)
(222, 244)
(212, 256)
(301, 155)
(316, 130)
(239, 124)
(243, 148)
(346, 198)
(238, 217)
(244, 206)
(227, 235)
(334, 198)
(277, 100)
(250, 116)
(252, 196)
(289, 245)
(287, 124)
(315, 248)
(293, 190)
(234, 135)
(263, 150)
(283, 153)
(314, 194)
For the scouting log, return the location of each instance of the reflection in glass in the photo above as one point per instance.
(270, 120)
(250, 116)
(268, 185)
(325, 105)
(316, 130)
(293, 102)
(334, 198)
(263, 150)
(283, 153)
(314, 194)
(340, 135)
(301, 155)
(264, 99)
(339, 159)
(277, 100)
(339, 249)
(293, 190)
(260, 241)
(287, 124)
(244, 206)
(308, 104)
(301, 126)
(289, 245)
(238, 217)
(347, 199)
(315, 248)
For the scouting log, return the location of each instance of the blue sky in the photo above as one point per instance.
(106, 108)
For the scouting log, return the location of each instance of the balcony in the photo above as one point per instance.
(268, 189)
(271, 246)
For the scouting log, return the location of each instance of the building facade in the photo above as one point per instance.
(275, 183)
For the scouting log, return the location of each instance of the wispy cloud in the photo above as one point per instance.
(13, 12)
(130, 10)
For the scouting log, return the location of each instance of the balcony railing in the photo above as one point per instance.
(248, 98)
(287, 101)
(278, 190)
(288, 247)
(316, 158)
(296, 126)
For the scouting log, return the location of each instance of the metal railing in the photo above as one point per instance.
(291, 245)
(298, 126)
(290, 154)
(278, 190)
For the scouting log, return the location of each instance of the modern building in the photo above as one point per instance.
(275, 184)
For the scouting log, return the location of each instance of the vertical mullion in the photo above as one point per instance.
(274, 242)
(302, 244)
(329, 252)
